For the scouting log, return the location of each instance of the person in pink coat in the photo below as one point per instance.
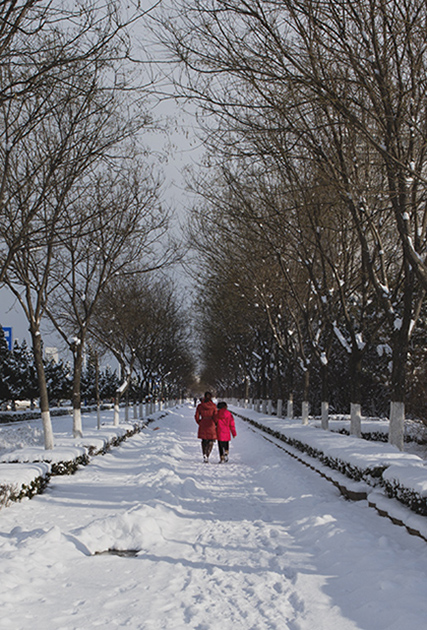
(224, 427)
(205, 417)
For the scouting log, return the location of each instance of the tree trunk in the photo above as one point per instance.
(355, 392)
(246, 389)
(304, 412)
(325, 415)
(397, 405)
(400, 358)
(397, 424)
(116, 410)
(44, 398)
(77, 376)
(290, 407)
(127, 406)
(325, 396)
(355, 365)
(98, 399)
(355, 420)
(305, 406)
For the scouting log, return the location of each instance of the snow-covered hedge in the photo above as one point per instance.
(63, 460)
(382, 436)
(25, 481)
(400, 475)
(408, 485)
(7, 417)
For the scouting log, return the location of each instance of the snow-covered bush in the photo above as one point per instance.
(14, 492)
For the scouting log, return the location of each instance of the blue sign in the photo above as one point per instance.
(8, 336)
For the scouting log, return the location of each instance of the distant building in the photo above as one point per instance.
(8, 335)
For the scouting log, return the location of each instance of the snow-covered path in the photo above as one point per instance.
(261, 543)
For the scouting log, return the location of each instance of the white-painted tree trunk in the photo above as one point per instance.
(304, 412)
(257, 404)
(47, 430)
(126, 412)
(98, 416)
(279, 408)
(290, 409)
(269, 407)
(325, 415)
(77, 423)
(264, 406)
(397, 424)
(355, 420)
(116, 414)
(135, 411)
(141, 409)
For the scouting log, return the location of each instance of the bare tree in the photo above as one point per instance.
(140, 321)
(113, 228)
(51, 137)
(343, 85)
(47, 52)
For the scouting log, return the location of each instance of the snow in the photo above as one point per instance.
(15, 476)
(359, 340)
(398, 323)
(343, 341)
(261, 543)
(37, 454)
(122, 387)
(410, 478)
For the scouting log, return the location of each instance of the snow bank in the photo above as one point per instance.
(136, 530)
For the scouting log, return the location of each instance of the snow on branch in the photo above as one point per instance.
(343, 341)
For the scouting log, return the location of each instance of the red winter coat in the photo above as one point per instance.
(225, 424)
(205, 418)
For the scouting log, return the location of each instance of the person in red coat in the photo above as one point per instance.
(205, 417)
(224, 426)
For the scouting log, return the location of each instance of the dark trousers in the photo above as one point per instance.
(223, 448)
(207, 446)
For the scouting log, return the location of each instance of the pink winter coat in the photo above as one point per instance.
(205, 418)
(225, 424)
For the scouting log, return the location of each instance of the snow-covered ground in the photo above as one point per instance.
(260, 543)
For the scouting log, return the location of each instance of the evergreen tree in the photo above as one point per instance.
(88, 380)
(23, 378)
(108, 383)
(58, 379)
